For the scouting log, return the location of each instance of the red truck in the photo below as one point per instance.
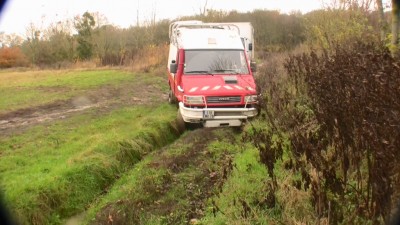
(210, 73)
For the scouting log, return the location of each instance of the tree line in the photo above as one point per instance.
(91, 37)
(88, 37)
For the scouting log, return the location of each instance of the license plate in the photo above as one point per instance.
(208, 114)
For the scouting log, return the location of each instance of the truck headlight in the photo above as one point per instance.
(250, 98)
(193, 100)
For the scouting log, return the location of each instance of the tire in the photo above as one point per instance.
(180, 123)
(238, 129)
(171, 97)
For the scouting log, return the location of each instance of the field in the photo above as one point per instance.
(102, 146)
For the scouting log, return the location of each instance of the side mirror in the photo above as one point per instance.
(173, 67)
(250, 46)
(253, 66)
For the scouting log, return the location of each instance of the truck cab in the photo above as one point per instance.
(209, 74)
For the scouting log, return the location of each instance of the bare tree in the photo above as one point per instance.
(33, 35)
(395, 25)
(64, 27)
(137, 15)
(382, 22)
(2, 39)
(10, 40)
(203, 9)
(100, 19)
(153, 15)
(363, 5)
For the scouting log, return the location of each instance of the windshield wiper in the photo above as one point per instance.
(199, 71)
(233, 71)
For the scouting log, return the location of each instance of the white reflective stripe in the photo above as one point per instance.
(228, 87)
(250, 89)
(238, 87)
(193, 89)
(216, 87)
(205, 88)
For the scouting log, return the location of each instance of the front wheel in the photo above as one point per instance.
(183, 126)
(171, 97)
(180, 123)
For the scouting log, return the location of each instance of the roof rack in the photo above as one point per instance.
(173, 27)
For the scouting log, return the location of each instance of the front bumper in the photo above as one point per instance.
(215, 116)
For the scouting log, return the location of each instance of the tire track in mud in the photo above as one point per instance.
(190, 177)
(103, 99)
(22, 118)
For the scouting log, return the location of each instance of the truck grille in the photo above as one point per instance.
(223, 99)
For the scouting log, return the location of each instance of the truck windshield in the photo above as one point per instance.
(215, 61)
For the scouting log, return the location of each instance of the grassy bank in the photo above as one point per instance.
(53, 172)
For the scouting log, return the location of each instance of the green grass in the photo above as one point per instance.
(52, 172)
(243, 199)
(32, 88)
(244, 184)
(64, 78)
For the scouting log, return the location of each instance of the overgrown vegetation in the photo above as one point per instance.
(337, 103)
(341, 108)
(354, 97)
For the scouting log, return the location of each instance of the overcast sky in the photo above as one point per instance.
(18, 14)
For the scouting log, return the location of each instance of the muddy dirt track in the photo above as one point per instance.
(208, 173)
(103, 99)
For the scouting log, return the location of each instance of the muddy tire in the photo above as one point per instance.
(184, 126)
(180, 123)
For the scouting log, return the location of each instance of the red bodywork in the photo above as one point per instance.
(211, 84)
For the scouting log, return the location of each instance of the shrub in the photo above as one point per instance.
(12, 57)
(355, 96)
(341, 109)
